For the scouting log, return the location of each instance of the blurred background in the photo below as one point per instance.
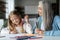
(29, 7)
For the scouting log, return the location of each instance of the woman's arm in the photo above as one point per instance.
(41, 32)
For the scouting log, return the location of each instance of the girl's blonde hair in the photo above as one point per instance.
(10, 24)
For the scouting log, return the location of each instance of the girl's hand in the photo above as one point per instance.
(13, 32)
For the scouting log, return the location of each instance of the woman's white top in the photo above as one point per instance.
(28, 28)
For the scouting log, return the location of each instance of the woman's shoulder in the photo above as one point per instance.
(56, 17)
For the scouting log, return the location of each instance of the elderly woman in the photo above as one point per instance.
(45, 18)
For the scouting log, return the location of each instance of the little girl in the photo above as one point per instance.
(27, 26)
(15, 23)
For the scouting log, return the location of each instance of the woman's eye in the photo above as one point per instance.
(40, 8)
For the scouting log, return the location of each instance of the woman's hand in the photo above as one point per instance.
(41, 32)
(36, 30)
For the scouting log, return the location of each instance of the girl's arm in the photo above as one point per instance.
(28, 28)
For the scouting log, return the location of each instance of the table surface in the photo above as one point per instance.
(10, 37)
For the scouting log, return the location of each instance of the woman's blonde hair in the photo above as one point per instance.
(10, 24)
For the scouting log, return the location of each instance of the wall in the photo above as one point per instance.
(59, 7)
(10, 7)
(31, 6)
(30, 2)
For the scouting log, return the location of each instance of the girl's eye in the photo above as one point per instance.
(13, 19)
(16, 18)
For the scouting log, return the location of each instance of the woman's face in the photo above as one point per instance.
(40, 10)
(15, 19)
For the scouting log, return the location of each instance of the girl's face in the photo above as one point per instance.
(15, 19)
(40, 10)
